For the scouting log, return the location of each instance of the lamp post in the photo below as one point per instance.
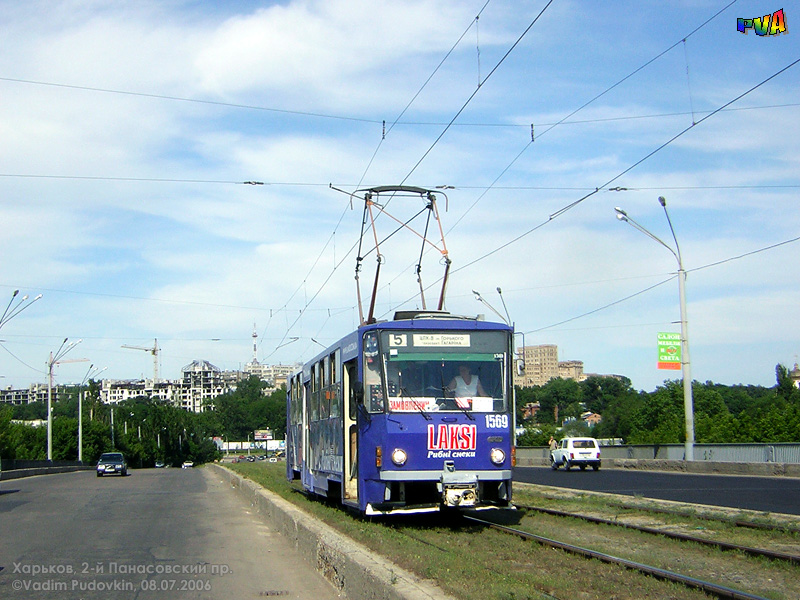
(483, 301)
(686, 368)
(54, 360)
(522, 333)
(89, 374)
(11, 312)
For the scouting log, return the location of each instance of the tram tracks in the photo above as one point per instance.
(717, 590)
(749, 550)
(473, 561)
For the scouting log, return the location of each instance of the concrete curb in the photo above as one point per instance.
(351, 568)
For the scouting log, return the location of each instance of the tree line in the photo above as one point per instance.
(722, 414)
(150, 431)
(146, 430)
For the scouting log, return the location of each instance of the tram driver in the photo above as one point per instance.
(465, 384)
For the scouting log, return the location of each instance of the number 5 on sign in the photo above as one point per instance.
(398, 340)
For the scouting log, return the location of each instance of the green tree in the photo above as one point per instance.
(557, 394)
(537, 435)
(30, 411)
(660, 419)
(598, 392)
(620, 418)
(785, 386)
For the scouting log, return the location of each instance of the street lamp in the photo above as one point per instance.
(54, 360)
(522, 333)
(686, 367)
(9, 313)
(89, 374)
(483, 301)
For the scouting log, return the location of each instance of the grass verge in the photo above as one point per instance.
(470, 561)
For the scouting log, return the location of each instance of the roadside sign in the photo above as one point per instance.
(669, 351)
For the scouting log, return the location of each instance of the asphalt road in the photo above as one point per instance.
(766, 494)
(156, 534)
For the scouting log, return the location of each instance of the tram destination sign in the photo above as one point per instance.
(669, 351)
(441, 340)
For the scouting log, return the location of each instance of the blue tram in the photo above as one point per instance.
(410, 415)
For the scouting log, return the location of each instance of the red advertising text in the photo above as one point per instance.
(452, 437)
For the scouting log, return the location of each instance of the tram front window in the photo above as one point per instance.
(423, 372)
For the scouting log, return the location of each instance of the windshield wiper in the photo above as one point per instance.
(465, 411)
(404, 394)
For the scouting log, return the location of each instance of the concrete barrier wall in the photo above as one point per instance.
(788, 453)
(536, 457)
(18, 473)
(351, 568)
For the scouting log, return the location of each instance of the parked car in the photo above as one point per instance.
(576, 452)
(111, 463)
(187, 464)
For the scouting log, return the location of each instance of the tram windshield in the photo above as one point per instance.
(436, 371)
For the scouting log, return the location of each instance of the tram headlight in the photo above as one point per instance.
(399, 457)
(497, 456)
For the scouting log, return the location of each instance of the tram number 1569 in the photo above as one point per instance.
(496, 421)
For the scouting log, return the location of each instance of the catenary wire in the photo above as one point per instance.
(649, 155)
(565, 119)
(575, 203)
(364, 174)
(477, 89)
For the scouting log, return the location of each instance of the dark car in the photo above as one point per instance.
(110, 463)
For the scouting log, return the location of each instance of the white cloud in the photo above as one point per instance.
(185, 255)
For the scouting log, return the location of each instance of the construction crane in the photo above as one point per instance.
(154, 351)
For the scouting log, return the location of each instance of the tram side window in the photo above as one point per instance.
(336, 385)
(314, 400)
(324, 390)
(298, 399)
(293, 400)
(373, 386)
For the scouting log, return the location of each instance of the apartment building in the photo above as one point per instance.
(200, 383)
(540, 364)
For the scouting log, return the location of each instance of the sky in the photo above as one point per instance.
(130, 128)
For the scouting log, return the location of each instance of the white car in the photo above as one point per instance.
(187, 464)
(576, 452)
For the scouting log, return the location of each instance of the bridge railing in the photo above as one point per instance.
(11, 464)
(736, 453)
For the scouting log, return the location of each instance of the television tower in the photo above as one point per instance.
(255, 345)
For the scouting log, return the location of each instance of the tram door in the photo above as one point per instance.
(350, 445)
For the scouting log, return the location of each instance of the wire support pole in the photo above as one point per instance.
(686, 365)
(52, 361)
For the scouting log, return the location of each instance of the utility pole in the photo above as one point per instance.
(56, 359)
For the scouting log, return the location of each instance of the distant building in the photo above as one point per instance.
(35, 392)
(273, 375)
(571, 369)
(200, 383)
(540, 364)
(794, 375)
(591, 419)
(530, 410)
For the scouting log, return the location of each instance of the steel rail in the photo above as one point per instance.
(719, 591)
(706, 517)
(791, 558)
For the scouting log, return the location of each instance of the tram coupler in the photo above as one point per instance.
(457, 489)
